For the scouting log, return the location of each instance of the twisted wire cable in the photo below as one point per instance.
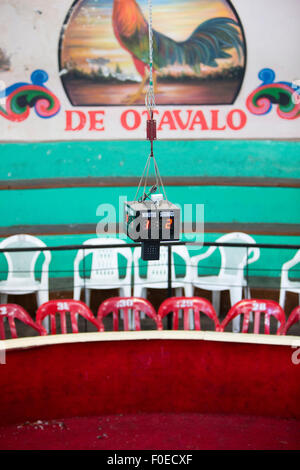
(149, 98)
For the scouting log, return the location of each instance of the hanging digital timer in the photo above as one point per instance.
(151, 218)
(150, 222)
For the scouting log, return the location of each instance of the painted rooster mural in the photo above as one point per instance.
(208, 42)
(198, 52)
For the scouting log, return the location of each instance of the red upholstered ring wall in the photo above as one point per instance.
(106, 377)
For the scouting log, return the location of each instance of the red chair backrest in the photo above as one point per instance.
(126, 304)
(197, 304)
(293, 318)
(12, 312)
(258, 307)
(62, 307)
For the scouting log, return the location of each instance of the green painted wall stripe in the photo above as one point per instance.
(118, 159)
(79, 205)
(224, 158)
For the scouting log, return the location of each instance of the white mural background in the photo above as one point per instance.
(30, 34)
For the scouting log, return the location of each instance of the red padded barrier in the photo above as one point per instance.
(107, 377)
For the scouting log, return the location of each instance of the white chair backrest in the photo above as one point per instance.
(21, 264)
(158, 270)
(234, 259)
(288, 265)
(105, 260)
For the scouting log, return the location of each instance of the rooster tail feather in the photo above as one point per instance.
(210, 40)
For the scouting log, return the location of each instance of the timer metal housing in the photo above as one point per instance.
(150, 222)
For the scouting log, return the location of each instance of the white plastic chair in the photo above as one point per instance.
(286, 285)
(231, 275)
(104, 269)
(157, 273)
(21, 269)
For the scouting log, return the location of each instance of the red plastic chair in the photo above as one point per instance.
(293, 318)
(62, 307)
(127, 304)
(12, 312)
(188, 304)
(257, 306)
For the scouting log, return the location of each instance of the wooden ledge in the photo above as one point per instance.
(246, 338)
(209, 227)
(113, 182)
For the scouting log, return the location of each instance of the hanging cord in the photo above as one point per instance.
(151, 123)
(149, 98)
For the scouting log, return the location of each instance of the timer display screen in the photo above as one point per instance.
(146, 222)
(161, 227)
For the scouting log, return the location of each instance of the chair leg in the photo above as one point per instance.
(87, 296)
(247, 292)
(188, 292)
(126, 292)
(247, 295)
(42, 297)
(77, 293)
(216, 300)
(179, 293)
(282, 298)
(235, 296)
(123, 293)
(139, 291)
(3, 298)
